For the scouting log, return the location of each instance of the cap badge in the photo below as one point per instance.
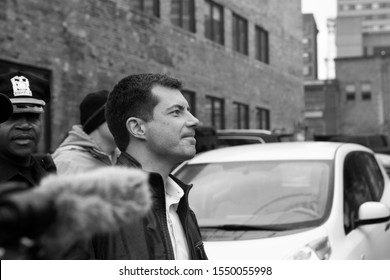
(21, 86)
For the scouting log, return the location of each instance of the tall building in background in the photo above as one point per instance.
(363, 28)
(320, 95)
(363, 66)
(357, 101)
(309, 41)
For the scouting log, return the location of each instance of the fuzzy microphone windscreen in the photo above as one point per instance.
(97, 201)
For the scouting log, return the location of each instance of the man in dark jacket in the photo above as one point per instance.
(154, 129)
(19, 135)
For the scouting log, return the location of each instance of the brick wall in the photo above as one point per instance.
(364, 116)
(321, 106)
(90, 45)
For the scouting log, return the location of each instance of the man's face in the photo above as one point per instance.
(19, 135)
(170, 134)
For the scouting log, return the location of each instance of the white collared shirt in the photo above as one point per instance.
(173, 194)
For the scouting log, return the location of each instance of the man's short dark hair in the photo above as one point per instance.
(132, 97)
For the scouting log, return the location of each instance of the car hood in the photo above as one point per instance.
(273, 248)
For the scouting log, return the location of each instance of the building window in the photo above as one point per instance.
(240, 34)
(306, 57)
(150, 7)
(262, 118)
(190, 96)
(45, 142)
(213, 21)
(359, 6)
(381, 51)
(242, 115)
(350, 96)
(344, 7)
(306, 70)
(183, 14)
(350, 91)
(262, 46)
(306, 42)
(216, 111)
(366, 91)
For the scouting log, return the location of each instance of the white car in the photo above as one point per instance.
(298, 200)
(384, 159)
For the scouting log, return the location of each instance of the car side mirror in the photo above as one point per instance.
(372, 212)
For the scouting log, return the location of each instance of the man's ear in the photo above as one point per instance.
(136, 127)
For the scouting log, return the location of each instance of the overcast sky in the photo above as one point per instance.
(322, 10)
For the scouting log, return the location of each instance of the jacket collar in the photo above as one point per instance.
(127, 160)
(183, 185)
(155, 179)
(10, 171)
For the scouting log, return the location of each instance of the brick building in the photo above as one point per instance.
(240, 61)
(364, 94)
(322, 107)
(363, 66)
(309, 41)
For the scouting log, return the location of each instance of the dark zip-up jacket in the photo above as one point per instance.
(149, 237)
(30, 176)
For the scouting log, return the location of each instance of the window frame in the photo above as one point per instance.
(181, 16)
(214, 117)
(215, 28)
(350, 95)
(366, 93)
(240, 37)
(241, 115)
(262, 44)
(139, 5)
(263, 118)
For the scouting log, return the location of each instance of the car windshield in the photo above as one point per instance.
(263, 195)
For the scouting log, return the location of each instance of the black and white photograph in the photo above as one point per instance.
(194, 139)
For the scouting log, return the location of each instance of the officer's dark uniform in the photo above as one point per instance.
(31, 174)
(6, 108)
(28, 94)
(24, 94)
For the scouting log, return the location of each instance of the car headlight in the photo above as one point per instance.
(319, 249)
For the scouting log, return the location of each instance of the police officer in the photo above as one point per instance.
(20, 132)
